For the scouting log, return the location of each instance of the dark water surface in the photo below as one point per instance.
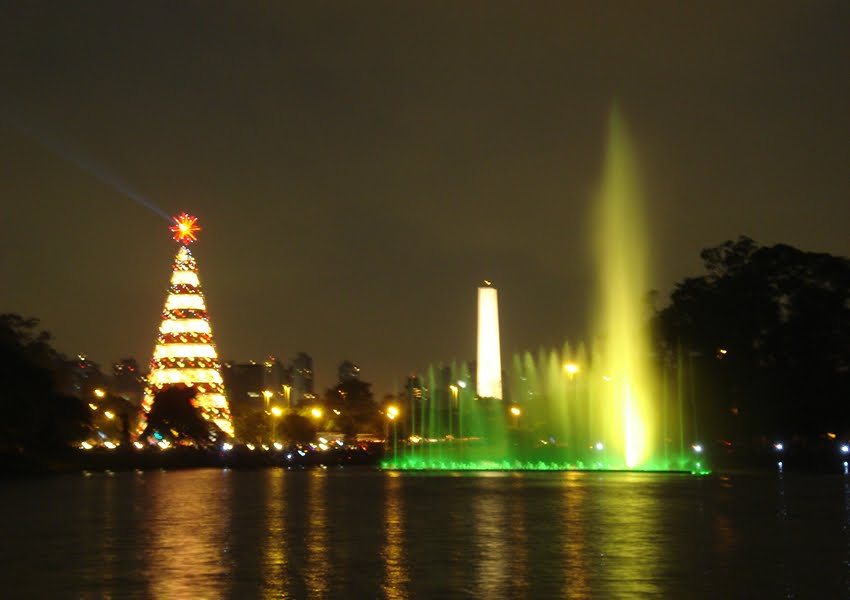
(369, 534)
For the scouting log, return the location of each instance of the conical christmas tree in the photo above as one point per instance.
(185, 354)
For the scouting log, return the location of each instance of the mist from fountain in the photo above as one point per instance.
(613, 405)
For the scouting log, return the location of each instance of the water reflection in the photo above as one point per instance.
(518, 542)
(316, 572)
(280, 534)
(491, 527)
(845, 528)
(725, 535)
(630, 538)
(101, 515)
(396, 577)
(275, 582)
(575, 556)
(186, 534)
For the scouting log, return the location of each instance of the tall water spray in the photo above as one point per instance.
(621, 319)
(607, 404)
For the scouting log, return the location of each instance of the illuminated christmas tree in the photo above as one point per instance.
(185, 354)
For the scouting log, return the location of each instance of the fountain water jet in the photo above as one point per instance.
(606, 406)
(622, 320)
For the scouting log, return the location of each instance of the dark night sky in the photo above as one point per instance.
(359, 167)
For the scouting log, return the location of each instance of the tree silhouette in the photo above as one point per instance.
(32, 412)
(770, 330)
(174, 417)
(354, 401)
(297, 428)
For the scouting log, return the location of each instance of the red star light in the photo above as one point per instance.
(184, 228)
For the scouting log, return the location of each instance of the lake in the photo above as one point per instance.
(352, 533)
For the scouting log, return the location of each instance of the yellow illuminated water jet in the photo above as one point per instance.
(607, 405)
(622, 259)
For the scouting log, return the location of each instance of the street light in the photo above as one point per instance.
(571, 369)
(454, 390)
(99, 393)
(276, 412)
(267, 395)
(316, 412)
(392, 413)
(516, 412)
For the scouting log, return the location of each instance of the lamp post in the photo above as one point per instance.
(454, 389)
(516, 412)
(392, 413)
(267, 396)
(462, 386)
(276, 412)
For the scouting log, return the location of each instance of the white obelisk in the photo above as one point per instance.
(489, 365)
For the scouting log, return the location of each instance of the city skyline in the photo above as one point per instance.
(359, 172)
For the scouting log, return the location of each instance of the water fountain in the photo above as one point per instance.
(610, 405)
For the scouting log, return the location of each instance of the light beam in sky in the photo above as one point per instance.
(84, 163)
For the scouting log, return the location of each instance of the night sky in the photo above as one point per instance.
(358, 168)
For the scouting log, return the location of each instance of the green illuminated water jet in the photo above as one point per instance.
(612, 406)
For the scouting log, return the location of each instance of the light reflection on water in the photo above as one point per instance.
(518, 542)
(318, 565)
(630, 543)
(347, 533)
(185, 534)
(394, 585)
(576, 563)
(491, 540)
(275, 583)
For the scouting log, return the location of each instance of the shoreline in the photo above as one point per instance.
(15, 465)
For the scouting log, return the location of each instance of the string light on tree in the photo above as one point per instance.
(185, 354)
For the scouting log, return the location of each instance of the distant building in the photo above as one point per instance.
(128, 380)
(413, 388)
(84, 377)
(302, 378)
(275, 375)
(347, 371)
(244, 383)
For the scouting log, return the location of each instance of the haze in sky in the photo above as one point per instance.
(359, 168)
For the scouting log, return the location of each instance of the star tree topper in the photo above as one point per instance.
(184, 228)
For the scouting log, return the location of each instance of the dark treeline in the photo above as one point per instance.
(36, 411)
(765, 332)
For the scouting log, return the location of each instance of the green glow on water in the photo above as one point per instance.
(420, 464)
